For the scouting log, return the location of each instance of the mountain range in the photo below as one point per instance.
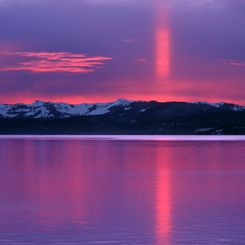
(122, 117)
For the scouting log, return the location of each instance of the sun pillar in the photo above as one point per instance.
(162, 43)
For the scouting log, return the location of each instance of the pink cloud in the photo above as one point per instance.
(233, 62)
(141, 61)
(55, 62)
(130, 40)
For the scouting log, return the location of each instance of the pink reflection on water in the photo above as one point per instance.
(163, 196)
(130, 192)
(61, 185)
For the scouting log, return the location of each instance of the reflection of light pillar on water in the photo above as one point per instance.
(162, 44)
(163, 200)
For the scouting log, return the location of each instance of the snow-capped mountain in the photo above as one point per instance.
(123, 117)
(41, 109)
(46, 110)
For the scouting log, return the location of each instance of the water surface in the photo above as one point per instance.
(122, 190)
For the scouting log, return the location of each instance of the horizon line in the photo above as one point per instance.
(126, 100)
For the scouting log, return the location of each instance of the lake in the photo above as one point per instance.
(122, 190)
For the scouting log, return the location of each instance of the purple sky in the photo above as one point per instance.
(101, 50)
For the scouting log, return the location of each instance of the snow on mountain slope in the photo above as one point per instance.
(45, 110)
(41, 109)
(222, 104)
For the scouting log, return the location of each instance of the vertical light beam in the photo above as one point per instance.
(162, 53)
(162, 42)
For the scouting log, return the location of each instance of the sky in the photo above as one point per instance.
(101, 50)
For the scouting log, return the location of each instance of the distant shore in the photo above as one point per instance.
(130, 137)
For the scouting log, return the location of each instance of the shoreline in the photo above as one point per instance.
(129, 137)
